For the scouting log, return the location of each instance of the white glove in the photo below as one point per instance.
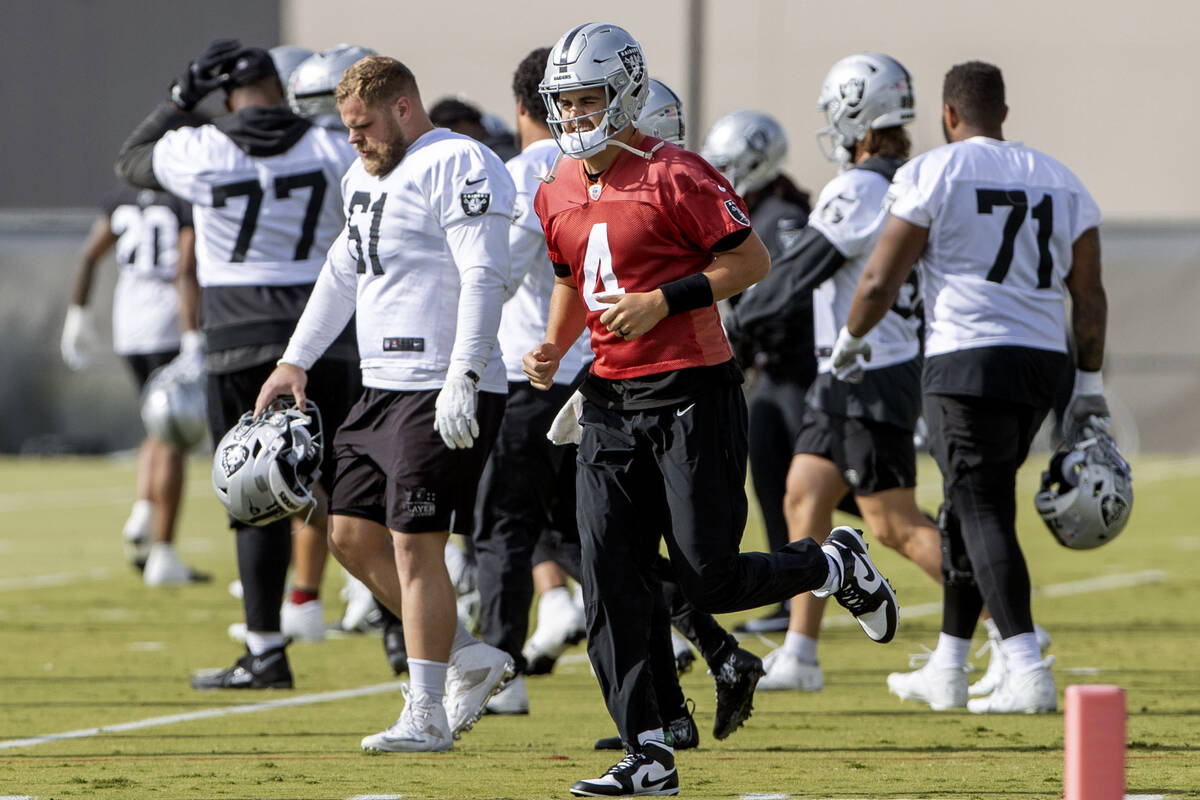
(78, 336)
(189, 364)
(455, 408)
(1087, 400)
(565, 429)
(845, 357)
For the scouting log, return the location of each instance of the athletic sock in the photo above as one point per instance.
(951, 652)
(801, 646)
(1021, 652)
(655, 736)
(301, 596)
(462, 638)
(833, 581)
(428, 677)
(259, 642)
(993, 631)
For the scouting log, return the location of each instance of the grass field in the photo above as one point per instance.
(84, 647)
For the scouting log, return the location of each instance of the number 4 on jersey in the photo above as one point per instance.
(598, 268)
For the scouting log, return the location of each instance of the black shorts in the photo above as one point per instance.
(393, 467)
(143, 364)
(872, 456)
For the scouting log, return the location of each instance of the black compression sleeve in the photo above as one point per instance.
(687, 294)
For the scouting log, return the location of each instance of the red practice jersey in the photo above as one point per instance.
(643, 224)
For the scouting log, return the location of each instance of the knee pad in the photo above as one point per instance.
(956, 566)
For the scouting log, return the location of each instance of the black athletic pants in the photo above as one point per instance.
(979, 443)
(679, 470)
(264, 552)
(776, 417)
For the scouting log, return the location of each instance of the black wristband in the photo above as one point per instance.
(687, 294)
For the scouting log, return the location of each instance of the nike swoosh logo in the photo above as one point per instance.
(259, 664)
(867, 576)
(477, 180)
(681, 411)
(646, 783)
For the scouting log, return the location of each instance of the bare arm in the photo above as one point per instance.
(1089, 304)
(567, 319)
(100, 240)
(185, 281)
(898, 248)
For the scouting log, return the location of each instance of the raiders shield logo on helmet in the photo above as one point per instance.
(738, 215)
(631, 57)
(233, 458)
(852, 91)
(475, 203)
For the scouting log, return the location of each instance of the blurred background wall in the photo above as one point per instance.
(1103, 86)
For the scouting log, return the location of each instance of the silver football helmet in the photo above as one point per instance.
(311, 88)
(662, 117)
(287, 57)
(747, 147)
(264, 468)
(594, 55)
(861, 92)
(1087, 493)
(174, 408)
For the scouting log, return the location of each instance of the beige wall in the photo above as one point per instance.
(1106, 87)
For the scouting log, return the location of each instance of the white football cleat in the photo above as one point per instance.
(360, 606)
(163, 568)
(942, 688)
(475, 673)
(1028, 692)
(785, 671)
(304, 622)
(997, 667)
(137, 533)
(560, 623)
(421, 728)
(512, 699)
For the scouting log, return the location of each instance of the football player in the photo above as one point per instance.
(1000, 234)
(645, 237)
(462, 117)
(153, 236)
(262, 182)
(422, 265)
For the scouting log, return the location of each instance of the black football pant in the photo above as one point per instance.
(264, 552)
(979, 443)
(680, 471)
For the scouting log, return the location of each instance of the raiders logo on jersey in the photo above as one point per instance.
(475, 203)
(738, 215)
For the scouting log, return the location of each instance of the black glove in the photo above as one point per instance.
(204, 74)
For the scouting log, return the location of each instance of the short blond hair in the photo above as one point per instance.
(376, 80)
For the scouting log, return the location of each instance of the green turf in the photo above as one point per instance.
(102, 650)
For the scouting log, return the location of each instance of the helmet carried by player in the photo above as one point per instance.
(747, 147)
(287, 58)
(264, 468)
(1087, 492)
(173, 408)
(662, 116)
(601, 56)
(312, 85)
(862, 92)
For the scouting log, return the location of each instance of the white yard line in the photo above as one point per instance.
(51, 581)
(84, 498)
(211, 713)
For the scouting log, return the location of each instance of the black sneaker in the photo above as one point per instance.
(774, 622)
(393, 645)
(865, 593)
(268, 670)
(647, 771)
(681, 733)
(735, 681)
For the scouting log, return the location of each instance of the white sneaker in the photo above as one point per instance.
(942, 688)
(1028, 692)
(997, 668)
(304, 622)
(360, 605)
(785, 671)
(476, 672)
(421, 728)
(512, 699)
(684, 655)
(163, 567)
(137, 533)
(560, 623)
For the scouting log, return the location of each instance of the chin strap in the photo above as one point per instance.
(646, 154)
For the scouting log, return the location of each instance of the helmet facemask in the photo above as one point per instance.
(862, 92)
(1086, 494)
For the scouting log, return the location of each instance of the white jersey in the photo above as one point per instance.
(850, 214)
(524, 317)
(260, 220)
(1002, 220)
(145, 300)
(423, 262)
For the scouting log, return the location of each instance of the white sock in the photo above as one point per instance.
(993, 631)
(140, 518)
(558, 594)
(1021, 652)
(655, 736)
(428, 677)
(259, 642)
(951, 652)
(833, 581)
(462, 637)
(801, 646)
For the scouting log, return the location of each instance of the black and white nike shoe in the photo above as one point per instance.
(864, 592)
(647, 771)
(267, 670)
(681, 733)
